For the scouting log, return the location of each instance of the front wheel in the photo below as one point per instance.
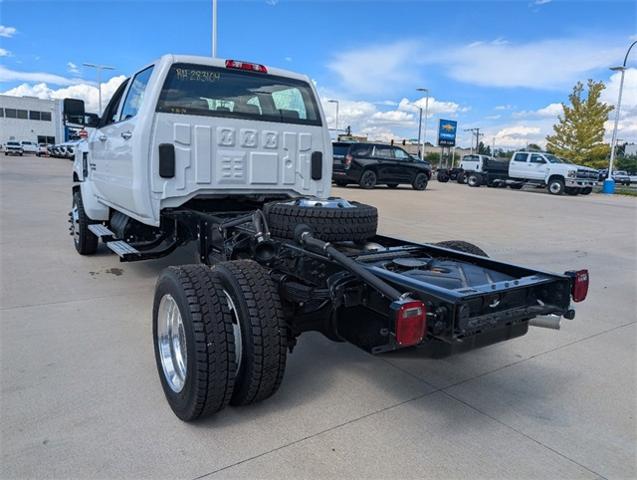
(194, 341)
(368, 179)
(473, 180)
(556, 186)
(420, 181)
(85, 241)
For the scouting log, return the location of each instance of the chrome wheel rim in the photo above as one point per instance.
(171, 342)
(555, 187)
(236, 331)
(331, 202)
(75, 223)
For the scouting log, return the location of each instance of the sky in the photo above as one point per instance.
(502, 66)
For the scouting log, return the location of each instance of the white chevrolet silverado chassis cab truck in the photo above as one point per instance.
(236, 158)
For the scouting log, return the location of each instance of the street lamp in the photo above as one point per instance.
(609, 183)
(424, 137)
(214, 28)
(99, 69)
(336, 102)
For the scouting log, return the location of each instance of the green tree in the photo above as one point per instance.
(628, 163)
(484, 149)
(534, 146)
(579, 132)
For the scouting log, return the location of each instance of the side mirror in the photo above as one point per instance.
(91, 120)
(74, 111)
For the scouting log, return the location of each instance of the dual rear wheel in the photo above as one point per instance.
(219, 336)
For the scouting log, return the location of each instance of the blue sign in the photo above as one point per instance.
(447, 133)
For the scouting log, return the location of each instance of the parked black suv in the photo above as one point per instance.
(370, 164)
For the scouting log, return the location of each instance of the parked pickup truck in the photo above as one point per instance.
(540, 169)
(236, 157)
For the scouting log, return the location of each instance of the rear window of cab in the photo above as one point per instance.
(221, 92)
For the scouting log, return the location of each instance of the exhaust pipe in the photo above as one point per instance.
(546, 321)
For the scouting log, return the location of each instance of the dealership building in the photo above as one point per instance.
(30, 119)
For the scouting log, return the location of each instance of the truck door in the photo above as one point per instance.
(100, 147)
(537, 167)
(518, 168)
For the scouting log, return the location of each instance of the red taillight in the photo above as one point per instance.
(579, 285)
(348, 160)
(411, 322)
(253, 67)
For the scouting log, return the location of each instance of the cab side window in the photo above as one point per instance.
(535, 158)
(110, 112)
(135, 94)
(520, 157)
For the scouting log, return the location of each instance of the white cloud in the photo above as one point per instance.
(377, 69)
(435, 107)
(504, 107)
(83, 91)
(8, 75)
(552, 110)
(541, 2)
(4, 52)
(546, 64)
(72, 68)
(7, 32)
(288, 59)
(492, 117)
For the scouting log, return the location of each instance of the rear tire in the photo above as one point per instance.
(368, 179)
(462, 246)
(442, 177)
(420, 181)
(204, 331)
(257, 308)
(85, 241)
(461, 178)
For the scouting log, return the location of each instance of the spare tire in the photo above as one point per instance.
(331, 220)
(462, 246)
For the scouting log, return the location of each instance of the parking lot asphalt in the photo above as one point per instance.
(80, 396)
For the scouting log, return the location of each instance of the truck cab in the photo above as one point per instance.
(186, 127)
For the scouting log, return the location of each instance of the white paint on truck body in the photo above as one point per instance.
(215, 156)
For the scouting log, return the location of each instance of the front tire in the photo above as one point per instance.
(193, 341)
(556, 186)
(420, 181)
(254, 300)
(368, 179)
(473, 180)
(586, 190)
(85, 241)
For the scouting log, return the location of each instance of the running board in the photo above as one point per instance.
(101, 231)
(123, 250)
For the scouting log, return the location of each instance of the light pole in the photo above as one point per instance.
(214, 28)
(609, 183)
(336, 122)
(424, 136)
(99, 69)
(419, 131)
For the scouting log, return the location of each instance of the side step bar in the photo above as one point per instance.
(101, 231)
(122, 249)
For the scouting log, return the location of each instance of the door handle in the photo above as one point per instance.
(127, 135)
(102, 137)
